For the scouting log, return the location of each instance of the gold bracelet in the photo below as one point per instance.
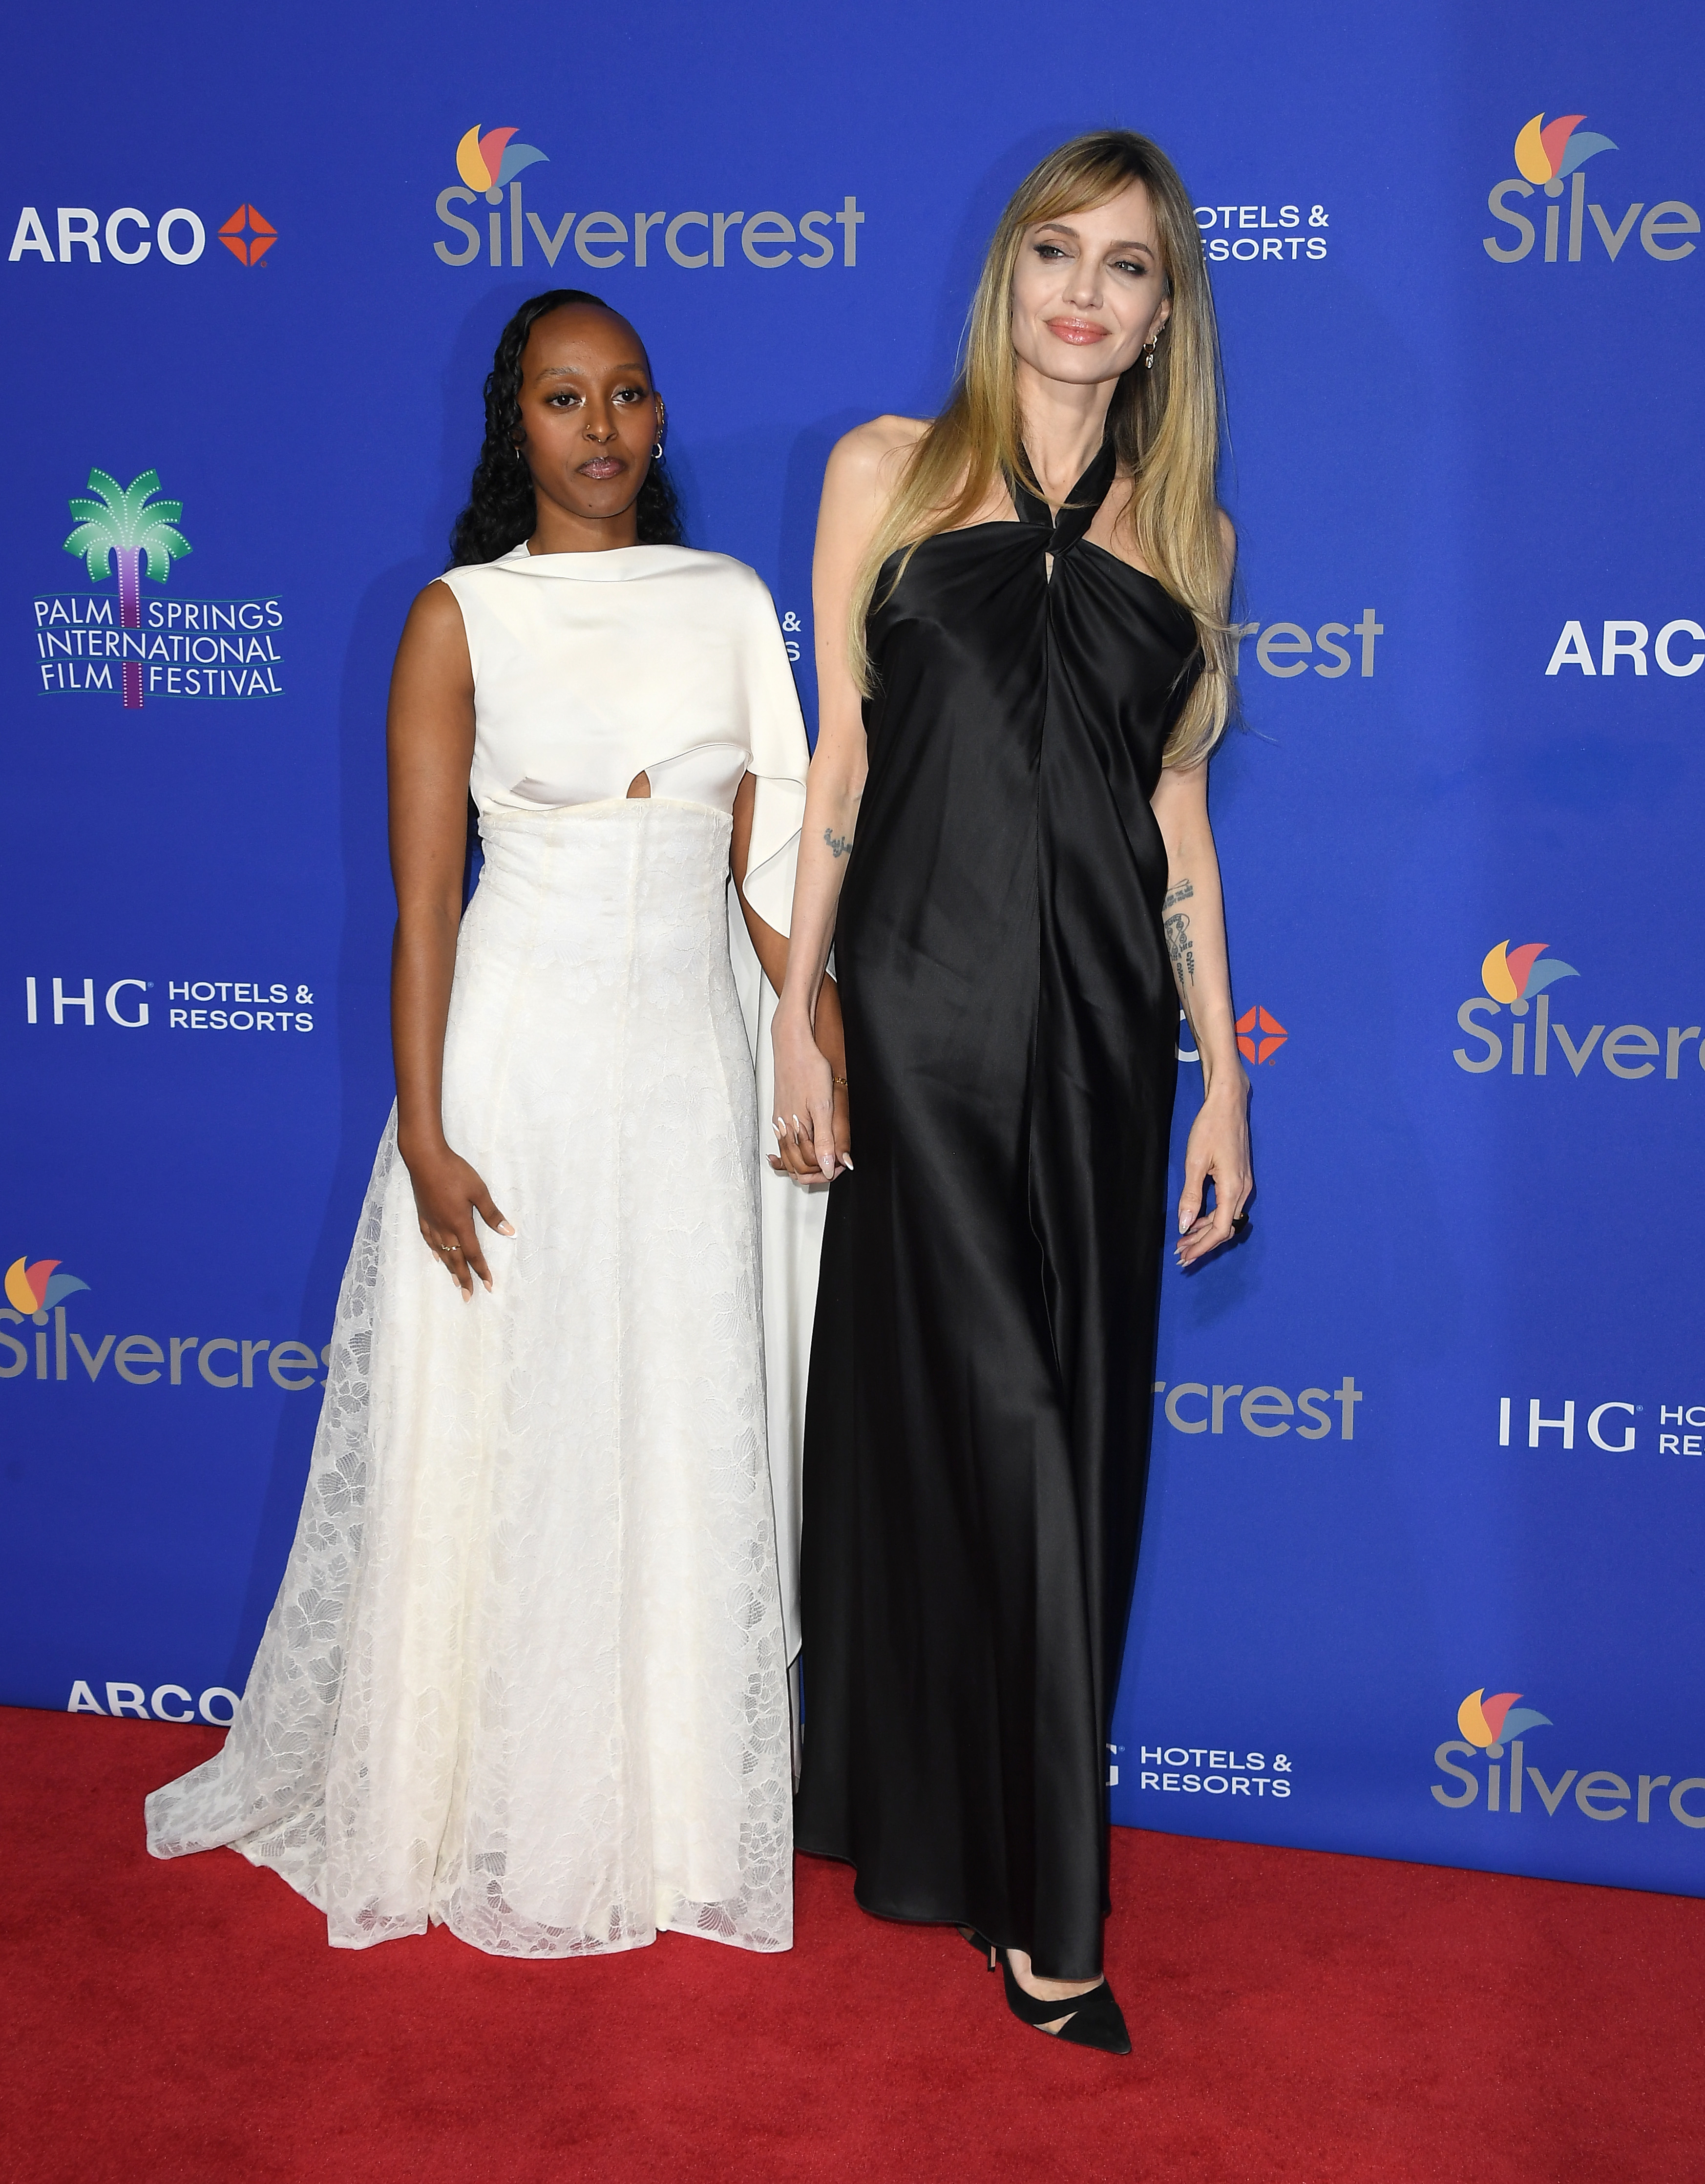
(843, 1083)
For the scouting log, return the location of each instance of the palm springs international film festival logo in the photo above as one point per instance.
(491, 165)
(1519, 980)
(1494, 1729)
(1549, 155)
(114, 641)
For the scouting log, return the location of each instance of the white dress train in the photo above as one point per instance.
(526, 1674)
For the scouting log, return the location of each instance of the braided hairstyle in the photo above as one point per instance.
(501, 511)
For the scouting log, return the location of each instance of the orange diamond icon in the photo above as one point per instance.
(1259, 1034)
(246, 235)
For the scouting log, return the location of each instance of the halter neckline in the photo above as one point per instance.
(1079, 510)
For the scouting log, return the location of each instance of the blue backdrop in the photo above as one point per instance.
(1421, 1575)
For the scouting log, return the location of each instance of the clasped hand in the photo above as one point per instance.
(812, 1123)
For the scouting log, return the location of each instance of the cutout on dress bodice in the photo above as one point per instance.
(709, 773)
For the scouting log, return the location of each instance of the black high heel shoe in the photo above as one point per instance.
(984, 1947)
(1094, 2020)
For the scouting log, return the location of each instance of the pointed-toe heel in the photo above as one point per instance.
(1094, 2020)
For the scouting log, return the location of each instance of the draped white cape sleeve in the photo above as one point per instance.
(791, 1216)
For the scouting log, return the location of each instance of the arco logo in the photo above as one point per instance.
(1488, 1723)
(247, 236)
(126, 524)
(129, 237)
(1259, 1034)
(1548, 153)
(1519, 975)
(36, 1286)
(487, 159)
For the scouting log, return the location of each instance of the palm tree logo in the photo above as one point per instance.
(128, 522)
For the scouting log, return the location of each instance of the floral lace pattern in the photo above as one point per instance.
(526, 1674)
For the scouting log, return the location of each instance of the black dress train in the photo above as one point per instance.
(977, 1426)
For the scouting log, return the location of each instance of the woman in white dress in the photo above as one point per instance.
(528, 1672)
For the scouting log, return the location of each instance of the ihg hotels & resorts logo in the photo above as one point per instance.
(117, 643)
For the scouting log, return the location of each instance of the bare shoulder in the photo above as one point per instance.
(866, 460)
(1228, 544)
(436, 608)
(435, 637)
(879, 437)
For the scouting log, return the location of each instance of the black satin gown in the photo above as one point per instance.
(978, 1425)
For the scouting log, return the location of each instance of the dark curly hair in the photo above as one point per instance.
(501, 511)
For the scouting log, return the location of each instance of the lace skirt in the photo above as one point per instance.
(526, 1674)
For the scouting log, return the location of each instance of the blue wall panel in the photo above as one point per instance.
(1439, 457)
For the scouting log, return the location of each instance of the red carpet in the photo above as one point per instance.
(1295, 2016)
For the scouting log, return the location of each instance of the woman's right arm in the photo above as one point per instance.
(429, 747)
(859, 476)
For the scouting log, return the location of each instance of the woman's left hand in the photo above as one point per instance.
(1218, 1149)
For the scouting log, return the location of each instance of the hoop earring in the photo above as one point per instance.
(657, 451)
(1149, 349)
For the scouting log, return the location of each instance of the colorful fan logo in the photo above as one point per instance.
(486, 162)
(34, 1288)
(1517, 974)
(1259, 1034)
(1488, 1722)
(1547, 151)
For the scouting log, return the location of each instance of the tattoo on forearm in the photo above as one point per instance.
(1180, 947)
(1182, 893)
(840, 845)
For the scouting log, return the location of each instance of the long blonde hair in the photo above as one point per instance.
(1165, 421)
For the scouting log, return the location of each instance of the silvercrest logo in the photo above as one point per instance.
(1548, 153)
(491, 165)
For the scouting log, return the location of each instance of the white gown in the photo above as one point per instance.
(526, 1675)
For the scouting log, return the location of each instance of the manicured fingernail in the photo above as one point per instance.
(846, 1163)
(504, 1228)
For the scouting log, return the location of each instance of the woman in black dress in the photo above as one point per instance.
(1023, 664)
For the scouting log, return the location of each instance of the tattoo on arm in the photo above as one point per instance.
(1182, 893)
(1180, 948)
(840, 845)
